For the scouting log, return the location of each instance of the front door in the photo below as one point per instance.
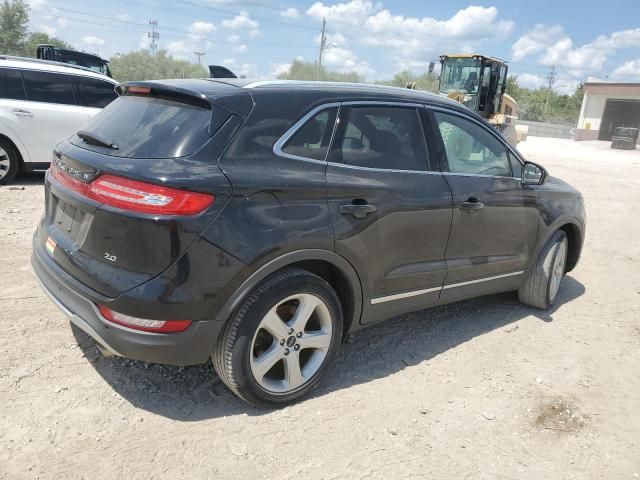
(494, 226)
(391, 210)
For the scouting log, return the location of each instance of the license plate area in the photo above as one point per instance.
(69, 220)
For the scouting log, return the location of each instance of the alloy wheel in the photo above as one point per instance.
(557, 271)
(5, 163)
(291, 343)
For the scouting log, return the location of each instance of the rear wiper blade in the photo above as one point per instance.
(96, 139)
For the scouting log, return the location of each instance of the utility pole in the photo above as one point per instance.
(323, 45)
(551, 77)
(153, 35)
(199, 55)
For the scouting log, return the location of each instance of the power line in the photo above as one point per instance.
(551, 78)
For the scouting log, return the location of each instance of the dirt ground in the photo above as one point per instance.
(483, 389)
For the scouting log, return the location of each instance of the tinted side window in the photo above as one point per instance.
(11, 84)
(48, 87)
(471, 149)
(96, 93)
(384, 137)
(312, 140)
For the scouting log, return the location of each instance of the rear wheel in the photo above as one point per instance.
(282, 340)
(543, 281)
(9, 162)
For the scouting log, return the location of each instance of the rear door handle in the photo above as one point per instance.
(472, 205)
(18, 112)
(358, 211)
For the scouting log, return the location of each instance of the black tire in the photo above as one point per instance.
(10, 155)
(234, 350)
(537, 288)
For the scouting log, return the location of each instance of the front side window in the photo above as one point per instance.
(96, 93)
(11, 84)
(384, 137)
(313, 138)
(471, 149)
(49, 87)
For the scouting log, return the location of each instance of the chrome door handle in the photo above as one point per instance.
(18, 112)
(359, 211)
(472, 205)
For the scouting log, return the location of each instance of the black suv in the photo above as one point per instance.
(260, 223)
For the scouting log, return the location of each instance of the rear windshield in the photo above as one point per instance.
(148, 127)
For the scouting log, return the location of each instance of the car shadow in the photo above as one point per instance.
(196, 393)
(25, 179)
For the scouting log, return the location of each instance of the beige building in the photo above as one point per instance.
(606, 106)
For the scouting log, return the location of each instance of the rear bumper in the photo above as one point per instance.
(190, 347)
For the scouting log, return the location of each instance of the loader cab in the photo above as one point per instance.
(476, 81)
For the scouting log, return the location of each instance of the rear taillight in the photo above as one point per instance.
(143, 324)
(136, 196)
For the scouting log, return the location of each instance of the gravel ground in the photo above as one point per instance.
(481, 389)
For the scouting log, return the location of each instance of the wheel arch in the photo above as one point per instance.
(330, 266)
(573, 229)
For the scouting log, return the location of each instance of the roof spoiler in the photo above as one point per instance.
(164, 91)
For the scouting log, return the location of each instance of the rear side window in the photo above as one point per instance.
(11, 86)
(471, 149)
(384, 137)
(96, 93)
(313, 138)
(49, 87)
(150, 127)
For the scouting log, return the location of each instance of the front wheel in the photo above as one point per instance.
(282, 340)
(543, 280)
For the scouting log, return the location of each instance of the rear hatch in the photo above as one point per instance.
(129, 193)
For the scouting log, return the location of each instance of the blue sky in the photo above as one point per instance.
(259, 38)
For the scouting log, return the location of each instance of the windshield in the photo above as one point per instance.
(148, 127)
(460, 75)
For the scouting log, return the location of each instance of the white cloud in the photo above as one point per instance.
(528, 80)
(48, 30)
(241, 21)
(537, 40)
(180, 49)
(62, 22)
(240, 49)
(248, 70)
(201, 28)
(412, 40)
(233, 38)
(554, 47)
(629, 70)
(278, 69)
(254, 33)
(145, 42)
(124, 17)
(92, 41)
(290, 13)
(338, 56)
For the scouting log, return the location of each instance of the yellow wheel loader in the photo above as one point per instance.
(479, 83)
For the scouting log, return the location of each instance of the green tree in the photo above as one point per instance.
(141, 65)
(300, 70)
(425, 81)
(14, 17)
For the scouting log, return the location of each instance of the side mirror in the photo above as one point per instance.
(533, 174)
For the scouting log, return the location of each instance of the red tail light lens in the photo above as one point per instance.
(147, 198)
(137, 196)
(143, 324)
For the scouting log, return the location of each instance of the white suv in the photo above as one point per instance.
(42, 102)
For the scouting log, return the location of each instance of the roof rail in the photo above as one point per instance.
(49, 62)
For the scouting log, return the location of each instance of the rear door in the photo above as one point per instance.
(495, 221)
(391, 208)
(49, 113)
